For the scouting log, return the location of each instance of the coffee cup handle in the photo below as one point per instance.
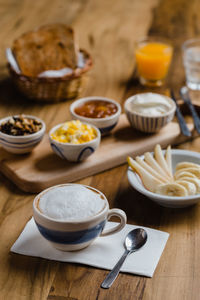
(118, 213)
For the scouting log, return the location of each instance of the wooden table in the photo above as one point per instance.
(108, 30)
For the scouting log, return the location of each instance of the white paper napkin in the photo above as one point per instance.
(103, 253)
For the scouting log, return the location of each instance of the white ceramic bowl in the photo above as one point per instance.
(21, 144)
(74, 152)
(105, 125)
(146, 123)
(176, 202)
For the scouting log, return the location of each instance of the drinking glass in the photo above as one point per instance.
(191, 61)
(153, 58)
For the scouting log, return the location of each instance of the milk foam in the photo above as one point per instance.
(70, 203)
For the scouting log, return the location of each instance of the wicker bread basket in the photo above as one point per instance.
(53, 89)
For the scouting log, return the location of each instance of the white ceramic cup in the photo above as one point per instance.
(75, 235)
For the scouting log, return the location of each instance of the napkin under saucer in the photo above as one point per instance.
(103, 253)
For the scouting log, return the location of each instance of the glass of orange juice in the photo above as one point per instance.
(153, 58)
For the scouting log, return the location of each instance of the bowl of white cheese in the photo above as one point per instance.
(149, 112)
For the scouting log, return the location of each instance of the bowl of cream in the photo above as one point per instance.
(149, 112)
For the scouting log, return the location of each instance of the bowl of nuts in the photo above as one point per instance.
(21, 133)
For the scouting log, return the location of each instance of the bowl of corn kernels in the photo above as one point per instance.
(74, 140)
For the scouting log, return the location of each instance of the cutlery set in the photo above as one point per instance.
(184, 93)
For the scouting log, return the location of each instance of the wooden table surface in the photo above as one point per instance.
(108, 30)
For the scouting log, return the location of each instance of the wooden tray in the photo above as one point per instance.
(42, 168)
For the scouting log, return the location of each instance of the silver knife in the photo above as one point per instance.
(183, 126)
(186, 98)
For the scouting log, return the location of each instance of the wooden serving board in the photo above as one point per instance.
(42, 168)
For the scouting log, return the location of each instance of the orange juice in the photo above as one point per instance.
(153, 60)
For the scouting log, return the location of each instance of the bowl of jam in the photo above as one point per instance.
(99, 111)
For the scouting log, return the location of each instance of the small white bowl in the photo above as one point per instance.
(74, 152)
(167, 201)
(146, 123)
(105, 125)
(22, 143)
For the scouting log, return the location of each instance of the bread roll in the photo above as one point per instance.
(50, 47)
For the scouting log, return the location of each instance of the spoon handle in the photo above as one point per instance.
(110, 278)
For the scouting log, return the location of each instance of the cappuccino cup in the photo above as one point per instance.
(71, 216)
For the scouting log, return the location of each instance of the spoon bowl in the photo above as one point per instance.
(134, 240)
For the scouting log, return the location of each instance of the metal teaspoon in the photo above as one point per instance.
(133, 241)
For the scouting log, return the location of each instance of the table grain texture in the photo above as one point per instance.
(108, 29)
